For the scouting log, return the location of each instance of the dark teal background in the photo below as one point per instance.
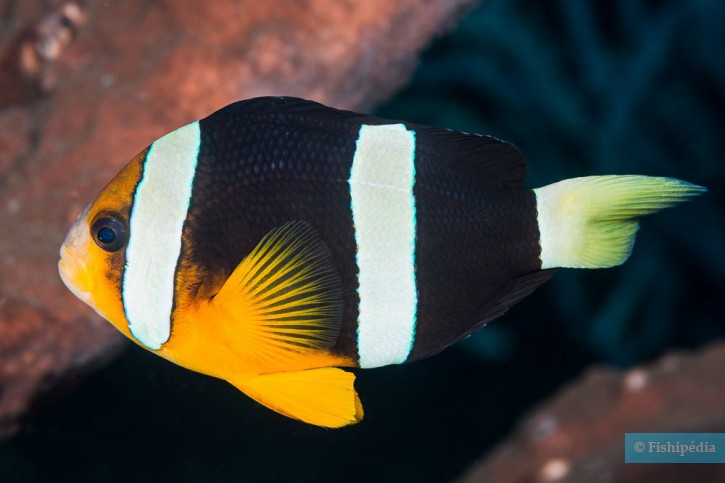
(582, 88)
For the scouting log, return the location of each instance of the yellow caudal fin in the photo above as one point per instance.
(591, 222)
(323, 397)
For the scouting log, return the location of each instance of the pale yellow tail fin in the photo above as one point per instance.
(591, 222)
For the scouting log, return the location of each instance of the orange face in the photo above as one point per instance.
(93, 255)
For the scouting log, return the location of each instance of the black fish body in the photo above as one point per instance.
(269, 161)
(278, 239)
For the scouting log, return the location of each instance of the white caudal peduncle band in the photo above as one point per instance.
(159, 209)
(383, 211)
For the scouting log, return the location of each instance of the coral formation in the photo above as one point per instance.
(578, 434)
(76, 112)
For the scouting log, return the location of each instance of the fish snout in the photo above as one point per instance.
(75, 275)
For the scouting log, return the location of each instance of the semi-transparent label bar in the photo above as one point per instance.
(674, 448)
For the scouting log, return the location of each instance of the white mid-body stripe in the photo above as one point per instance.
(160, 207)
(383, 211)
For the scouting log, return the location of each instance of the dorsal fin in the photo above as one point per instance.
(485, 159)
(273, 106)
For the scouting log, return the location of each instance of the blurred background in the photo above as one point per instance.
(582, 88)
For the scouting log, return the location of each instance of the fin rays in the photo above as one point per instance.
(591, 222)
(285, 295)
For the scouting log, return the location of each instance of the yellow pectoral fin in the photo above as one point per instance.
(280, 310)
(323, 397)
(283, 300)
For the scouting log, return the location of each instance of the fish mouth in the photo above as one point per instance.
(75, 276)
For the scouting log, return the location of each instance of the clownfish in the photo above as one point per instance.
(279, 242)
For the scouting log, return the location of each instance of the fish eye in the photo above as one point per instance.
(109, 232)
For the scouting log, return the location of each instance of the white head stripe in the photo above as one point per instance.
(383, 212)
(157, 217)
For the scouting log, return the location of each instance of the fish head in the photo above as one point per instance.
(93, 255)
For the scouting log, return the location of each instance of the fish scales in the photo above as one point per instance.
(277, 243)
(263, 169)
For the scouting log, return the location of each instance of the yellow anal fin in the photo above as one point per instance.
(323, 397)
(283, 300)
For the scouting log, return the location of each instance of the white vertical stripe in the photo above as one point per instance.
(383, 211)
(159, 210)
(555, 237)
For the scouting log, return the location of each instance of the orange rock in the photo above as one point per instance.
(578, 435)
(130, 72)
